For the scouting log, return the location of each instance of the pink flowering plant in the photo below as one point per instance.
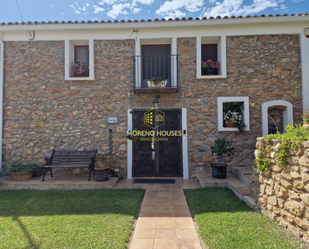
(210, 64)
(306, 116)
(79, 67)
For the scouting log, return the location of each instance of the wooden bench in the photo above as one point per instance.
(70, 159)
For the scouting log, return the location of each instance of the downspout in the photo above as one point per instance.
(1, 96)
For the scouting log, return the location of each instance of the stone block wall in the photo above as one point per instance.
(283, 195)
(264, 68)
(43, 111)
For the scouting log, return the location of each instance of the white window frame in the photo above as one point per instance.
(69, 58)
(221, 48)
(287, 114)
(155, 41)
(246, 118)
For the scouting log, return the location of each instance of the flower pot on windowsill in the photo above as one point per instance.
(163, 83)
(101, 174)
(230, 124)
(210, 71)
(79, 74)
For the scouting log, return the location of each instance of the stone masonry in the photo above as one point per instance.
(42, 111)
(283, 195)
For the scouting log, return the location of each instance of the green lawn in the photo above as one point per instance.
(68, 219)
(226, 222)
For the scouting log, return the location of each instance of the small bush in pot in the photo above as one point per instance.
(221, 147)
(21, 171)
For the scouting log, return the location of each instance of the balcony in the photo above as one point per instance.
(157, 73)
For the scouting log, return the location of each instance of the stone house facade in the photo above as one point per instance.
(44, 107)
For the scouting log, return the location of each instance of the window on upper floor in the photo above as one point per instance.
(210, 64)
(211, 57)
(79, 60)
(156, 65)
(155, 69)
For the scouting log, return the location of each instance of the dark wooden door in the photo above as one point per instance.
(167, 161)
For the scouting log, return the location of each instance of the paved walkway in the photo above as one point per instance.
(164, 220)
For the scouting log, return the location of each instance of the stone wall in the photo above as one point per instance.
(264, 68)
(42, 111)
(283, 195)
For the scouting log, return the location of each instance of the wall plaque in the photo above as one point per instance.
(112, 120)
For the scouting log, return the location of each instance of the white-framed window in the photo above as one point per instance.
(287, 114)
(79, 54)
(156, 51)
(221, 101)
(211, 48)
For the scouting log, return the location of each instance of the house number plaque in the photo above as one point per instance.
(112, 120)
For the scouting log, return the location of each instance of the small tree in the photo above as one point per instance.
(222, 146)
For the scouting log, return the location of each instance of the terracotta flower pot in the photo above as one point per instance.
(19, 176)
(230, 124)
(79, 74)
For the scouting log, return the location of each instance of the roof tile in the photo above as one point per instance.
(149, 20)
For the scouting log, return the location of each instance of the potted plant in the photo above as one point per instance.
(210, 67)
(22, 171)
(232, 115)
(78, 69)
(157, 81)
(101, 170)
(221, 147)
(101, 173)
(231, 118)
(306, 119)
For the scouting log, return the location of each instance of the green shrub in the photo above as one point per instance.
(294, 135)
(19, 167)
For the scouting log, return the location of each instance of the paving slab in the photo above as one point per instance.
(165, 220)
(61, 182)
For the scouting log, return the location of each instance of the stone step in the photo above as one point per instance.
(243, 173)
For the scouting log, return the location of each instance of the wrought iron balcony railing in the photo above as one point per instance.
(156, 73)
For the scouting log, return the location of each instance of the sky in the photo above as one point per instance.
(78, 10)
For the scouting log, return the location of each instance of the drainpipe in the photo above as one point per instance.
(1, 96)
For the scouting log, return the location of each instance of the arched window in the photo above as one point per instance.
(276, 105)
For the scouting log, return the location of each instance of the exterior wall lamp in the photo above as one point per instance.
(156, 103)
